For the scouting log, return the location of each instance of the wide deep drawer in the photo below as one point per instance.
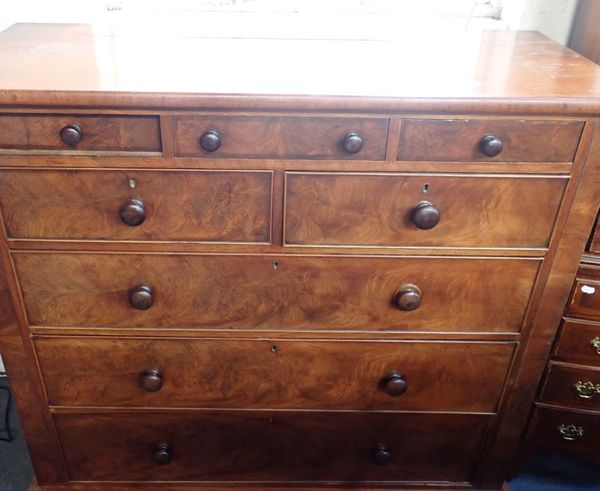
(271, 446)
(450, 376)
(392, 209)
(572, 385)
(584, 302)
(211, 206)
(275, 292)
(75, 132)
(571, 431)
(516, 140)
(579, 342)
(281, 137)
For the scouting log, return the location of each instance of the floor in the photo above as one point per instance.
(548, 472)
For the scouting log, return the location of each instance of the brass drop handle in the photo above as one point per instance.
(570, 432)
(162, 454)
(595, 343)
(587, 390)
(491, 146)
(71, 134)
(425, 216)
(141, 297)
(408, 297)
(394, 384)
(133, 213)
(210, 141)
(352, 142)
(381, 455)
(151, 380)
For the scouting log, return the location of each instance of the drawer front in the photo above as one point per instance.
(259, 447)
(268, 292)
(570, 431)
(585, 297)
(273, 373)
(579, 342)
(74, 132)
(389, 209)
(282, 137)
(573, 386)
(595, 241)
(211, 206)
(461, 140)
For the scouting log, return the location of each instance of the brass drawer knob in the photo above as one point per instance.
(425, 216)
(162, 454)
(381, 455)
(352, 142)
(71, 134)
(570, 432)
(133, 213)
(595, 343)
(408, 297)
(210, 141)
(394, 384)
(490, 145)
(151, 380)
(141, 297)
(587, 390)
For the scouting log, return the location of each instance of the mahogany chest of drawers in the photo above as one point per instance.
(285, 274)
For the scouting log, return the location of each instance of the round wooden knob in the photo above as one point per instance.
(133, 213)
(408, 297)
(151, 380)
(71, 134)
(425, 216)
(210, 141)
(141, 297)
(394, 384)
(490, 145)
(381, 455)
(162, 454)
(352, 143)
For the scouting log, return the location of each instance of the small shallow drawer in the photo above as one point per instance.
(452, 140)
(430, 210)
(571, 431)
(572, 385)
(595, 240)
(283, 374)
(579, 342)
(585, 297)
(74, 132)
(270, 292)
(245, 446)
(280, 137)
(208, 206)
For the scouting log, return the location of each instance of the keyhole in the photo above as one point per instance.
(275, 265)
(132, 183)
(425, 188)
(273, 349)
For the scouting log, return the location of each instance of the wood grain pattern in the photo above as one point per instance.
(544, 432)
(271, 292)
(585, 297)
(375, 209)
(459, 140)
(595, 240)
(559, 386)
(273, 373)
(180, 206)
(102, 132)
(272, 447)
(585, 37)
(277, 137)
(574, 343)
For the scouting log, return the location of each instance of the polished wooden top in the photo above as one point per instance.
(81, 65)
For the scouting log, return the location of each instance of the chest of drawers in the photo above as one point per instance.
(209, 280)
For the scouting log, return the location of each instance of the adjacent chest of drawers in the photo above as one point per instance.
(205, 289)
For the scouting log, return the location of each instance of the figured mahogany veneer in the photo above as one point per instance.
(277, 292)
(97, 133)
(272, 446)
(577, 342)
(585, 298)
(572, 386)
(461, 140)
(208, 206)
(595, 241)
(378, 210)
(273, 373)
